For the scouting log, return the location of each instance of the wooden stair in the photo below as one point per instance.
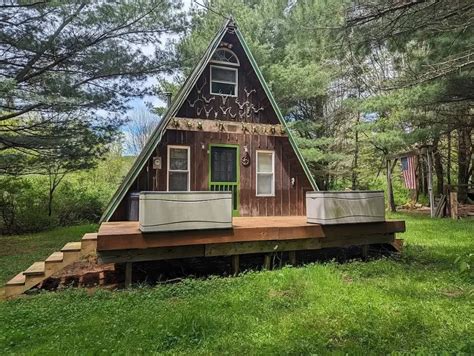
(39, 271)
(398, 245)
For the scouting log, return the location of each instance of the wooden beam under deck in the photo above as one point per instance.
(238, 248)
(123, 241)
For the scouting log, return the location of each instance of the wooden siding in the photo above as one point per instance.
(288, 199)
(224, 108)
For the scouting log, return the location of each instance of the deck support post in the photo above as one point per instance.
(267, 261)
(365, 251)
(292, 257)
(235, 264)
(128, 274)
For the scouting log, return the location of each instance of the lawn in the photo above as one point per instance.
(416, 303)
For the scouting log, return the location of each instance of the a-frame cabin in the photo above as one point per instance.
(223, 131)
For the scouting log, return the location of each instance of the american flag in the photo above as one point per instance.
(408, 169)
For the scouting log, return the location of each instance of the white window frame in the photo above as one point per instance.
(236, 70)
(257, 173)
(226, 63)
(170, 147)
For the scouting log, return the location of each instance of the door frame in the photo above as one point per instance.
(235, 212)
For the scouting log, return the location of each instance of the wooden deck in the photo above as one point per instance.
(123, 241)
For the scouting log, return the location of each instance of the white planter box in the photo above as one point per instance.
(345, 207)
(173, 211)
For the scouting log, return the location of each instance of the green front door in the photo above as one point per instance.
(224, 172)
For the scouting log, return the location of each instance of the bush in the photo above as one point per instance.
(81, 197)
(23, 206)
(76, 204)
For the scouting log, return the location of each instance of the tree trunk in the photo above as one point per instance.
(438, 167)
(464, 161)
(448, 161)
(391, 199)
(50, 202)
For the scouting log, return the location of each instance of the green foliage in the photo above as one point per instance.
(418, 303)
(465, 264)
(23, 203)
(62, 56)
(81, 197)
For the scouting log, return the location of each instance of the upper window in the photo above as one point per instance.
(223, 81)
(178, 168)
(265, 173)
(225, 56)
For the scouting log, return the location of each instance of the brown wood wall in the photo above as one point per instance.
(227, 108)
(288, 200)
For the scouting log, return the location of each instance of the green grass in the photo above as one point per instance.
(417, 303)
(18, 252)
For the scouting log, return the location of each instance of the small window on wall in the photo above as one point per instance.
(265, 173)
(223, 81)
(178, 168)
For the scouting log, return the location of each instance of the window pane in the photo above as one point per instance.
(179, 159)
(265, 161)
(222, 55)
(178, 181)
(221, 88)
(222, 74)
(264, 184)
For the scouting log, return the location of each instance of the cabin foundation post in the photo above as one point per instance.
(292, 257)
(365, 251)
(267, 261)
(128, 274)
(235, 264)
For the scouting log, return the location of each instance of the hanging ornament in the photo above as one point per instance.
(245, 160)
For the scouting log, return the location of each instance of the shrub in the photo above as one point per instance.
(81, 197)
(76, 203)
(23, 203)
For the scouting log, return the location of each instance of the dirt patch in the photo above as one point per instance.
(452, 293)
(85, 273)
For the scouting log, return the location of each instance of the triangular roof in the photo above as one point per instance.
(183, 93)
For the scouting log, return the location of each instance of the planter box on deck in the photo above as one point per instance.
(346, 207)
(173, 211)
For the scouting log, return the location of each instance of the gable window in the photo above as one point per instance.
(178, 168)
(225, 56)
(223, 80)
(265, 173)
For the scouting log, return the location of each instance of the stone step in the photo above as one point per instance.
(55, 257)
(18, 280)
(36, 269)
(72, 247)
